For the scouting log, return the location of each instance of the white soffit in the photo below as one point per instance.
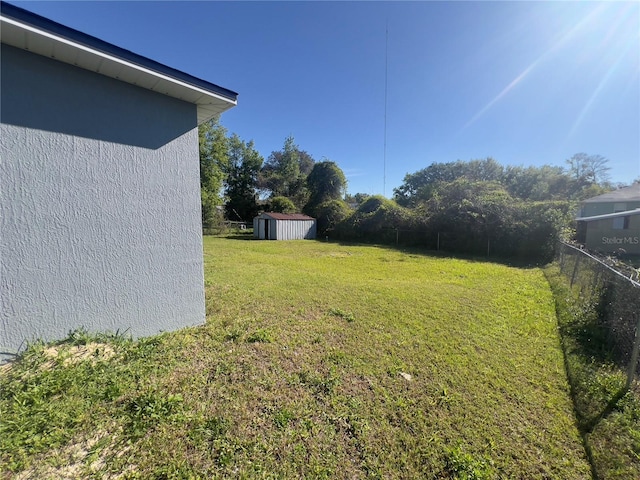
(625, 213)
(41, 42)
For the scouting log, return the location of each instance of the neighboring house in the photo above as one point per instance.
(284, 226)
(611, 222)
(99, 186)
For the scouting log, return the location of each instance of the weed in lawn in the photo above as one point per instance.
(319, 383)
(148, 409)
(463, 466)
(259, 336)
(209, 430)
(233, 335)
(282, 417)
(81, 336)
(348, 316)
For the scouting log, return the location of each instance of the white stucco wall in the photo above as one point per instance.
(99, 205)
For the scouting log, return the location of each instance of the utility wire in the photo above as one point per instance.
(386, 60)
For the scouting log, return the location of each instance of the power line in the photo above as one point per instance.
(386, 60)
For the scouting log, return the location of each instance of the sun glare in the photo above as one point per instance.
(619, 44)
(601, 42)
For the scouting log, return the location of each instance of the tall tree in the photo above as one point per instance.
(327, 185)
(285, 171)
(242, 180)
(213, 149)
(589, 169)
(213, 145)
(537, 183)
(326, 182)
(421, 185)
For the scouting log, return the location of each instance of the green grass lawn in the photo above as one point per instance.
(318, 360)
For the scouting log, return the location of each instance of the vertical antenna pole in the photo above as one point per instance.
(384, 161)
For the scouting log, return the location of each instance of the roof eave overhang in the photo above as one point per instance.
(210, 99)
(624, 213)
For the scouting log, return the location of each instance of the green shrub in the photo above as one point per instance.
(329, 214)
(281, 205)
(378, 220)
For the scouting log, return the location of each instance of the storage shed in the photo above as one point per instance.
(99, 186)
(284, 226)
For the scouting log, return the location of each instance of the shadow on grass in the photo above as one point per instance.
(600, 329)
(588, 425)
(241, 237)
(408, 249)
(429, 252)
(233, 236)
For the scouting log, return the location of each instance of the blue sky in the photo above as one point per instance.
(527, 83)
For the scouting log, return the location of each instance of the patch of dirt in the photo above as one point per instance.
(340, 254)
(5, 368)
(72, 356)
(79, 460)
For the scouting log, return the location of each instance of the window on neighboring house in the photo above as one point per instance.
(621, 223)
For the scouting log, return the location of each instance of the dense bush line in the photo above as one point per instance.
(476, 222)
(479, 207)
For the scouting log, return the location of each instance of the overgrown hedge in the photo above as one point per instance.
(509, 229)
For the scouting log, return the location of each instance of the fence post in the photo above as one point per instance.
(598, 284)
(631, 369)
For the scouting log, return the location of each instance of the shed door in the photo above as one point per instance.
(266, 229)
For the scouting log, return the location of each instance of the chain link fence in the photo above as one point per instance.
(610, 293)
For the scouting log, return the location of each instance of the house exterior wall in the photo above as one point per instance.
(601, 236)
(99, 205)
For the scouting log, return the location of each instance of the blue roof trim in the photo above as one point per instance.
(42, 23)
